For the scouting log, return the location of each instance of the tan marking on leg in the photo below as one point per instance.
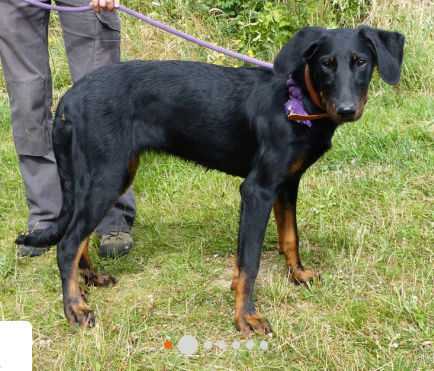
(235, 275)
(63, 118)
(85, 262)
(89, 274)
(288, 243)
(239, 286)
(246, 322)
(286, 230)
(73, 287)
(76, 309)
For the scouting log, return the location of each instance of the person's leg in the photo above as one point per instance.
(92, 41)
(24, 57)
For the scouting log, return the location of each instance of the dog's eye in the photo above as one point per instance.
(361, 63)
(327, 64)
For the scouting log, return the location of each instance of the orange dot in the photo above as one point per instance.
(168, 344)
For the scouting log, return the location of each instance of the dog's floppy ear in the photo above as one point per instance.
(388, 48)
(301, 45)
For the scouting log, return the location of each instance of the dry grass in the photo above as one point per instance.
(415, 19)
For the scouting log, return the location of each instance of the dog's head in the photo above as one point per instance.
(341, 62)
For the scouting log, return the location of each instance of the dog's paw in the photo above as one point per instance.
(102, 280)
(246, 323)
(300, 276)
(79, 314)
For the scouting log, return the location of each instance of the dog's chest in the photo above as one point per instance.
(309, 152)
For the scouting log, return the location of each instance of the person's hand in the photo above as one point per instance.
(104, 4)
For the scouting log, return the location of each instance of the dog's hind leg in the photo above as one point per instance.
(68, 256)
(85, 264)
(88, 273)
(285, 214)
(90, 205)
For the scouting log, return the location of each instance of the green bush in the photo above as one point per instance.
(262, 27)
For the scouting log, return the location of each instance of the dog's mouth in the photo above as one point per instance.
(345, 113)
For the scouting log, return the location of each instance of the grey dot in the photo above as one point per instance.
(188, 345)
(221, 344)
(249, 344)
(263, 345)
(207, 345)
(236, 345)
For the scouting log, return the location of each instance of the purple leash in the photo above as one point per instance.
(58, 8)
(293, 106)
(161, 26)
(195, 40)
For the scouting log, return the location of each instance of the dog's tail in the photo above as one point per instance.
(63, 142)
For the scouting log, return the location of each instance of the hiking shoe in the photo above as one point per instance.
(115, 244)
(24, 250)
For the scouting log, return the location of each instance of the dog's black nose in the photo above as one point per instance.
(346, 110)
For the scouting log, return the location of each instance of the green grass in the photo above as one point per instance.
(365, 219)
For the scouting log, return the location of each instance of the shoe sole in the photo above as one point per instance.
(114, 251)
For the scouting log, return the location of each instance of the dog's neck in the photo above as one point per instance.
(299, 76)
(325, 125)
(295, 106)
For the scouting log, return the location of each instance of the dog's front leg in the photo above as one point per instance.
(285, 214)
(256, 204)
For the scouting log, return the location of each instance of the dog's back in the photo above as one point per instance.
(198, 111)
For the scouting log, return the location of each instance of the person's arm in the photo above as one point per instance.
(104, 4)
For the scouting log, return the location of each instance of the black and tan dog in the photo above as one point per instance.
(230, 119)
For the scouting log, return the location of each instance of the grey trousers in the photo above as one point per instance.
(91, 41)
